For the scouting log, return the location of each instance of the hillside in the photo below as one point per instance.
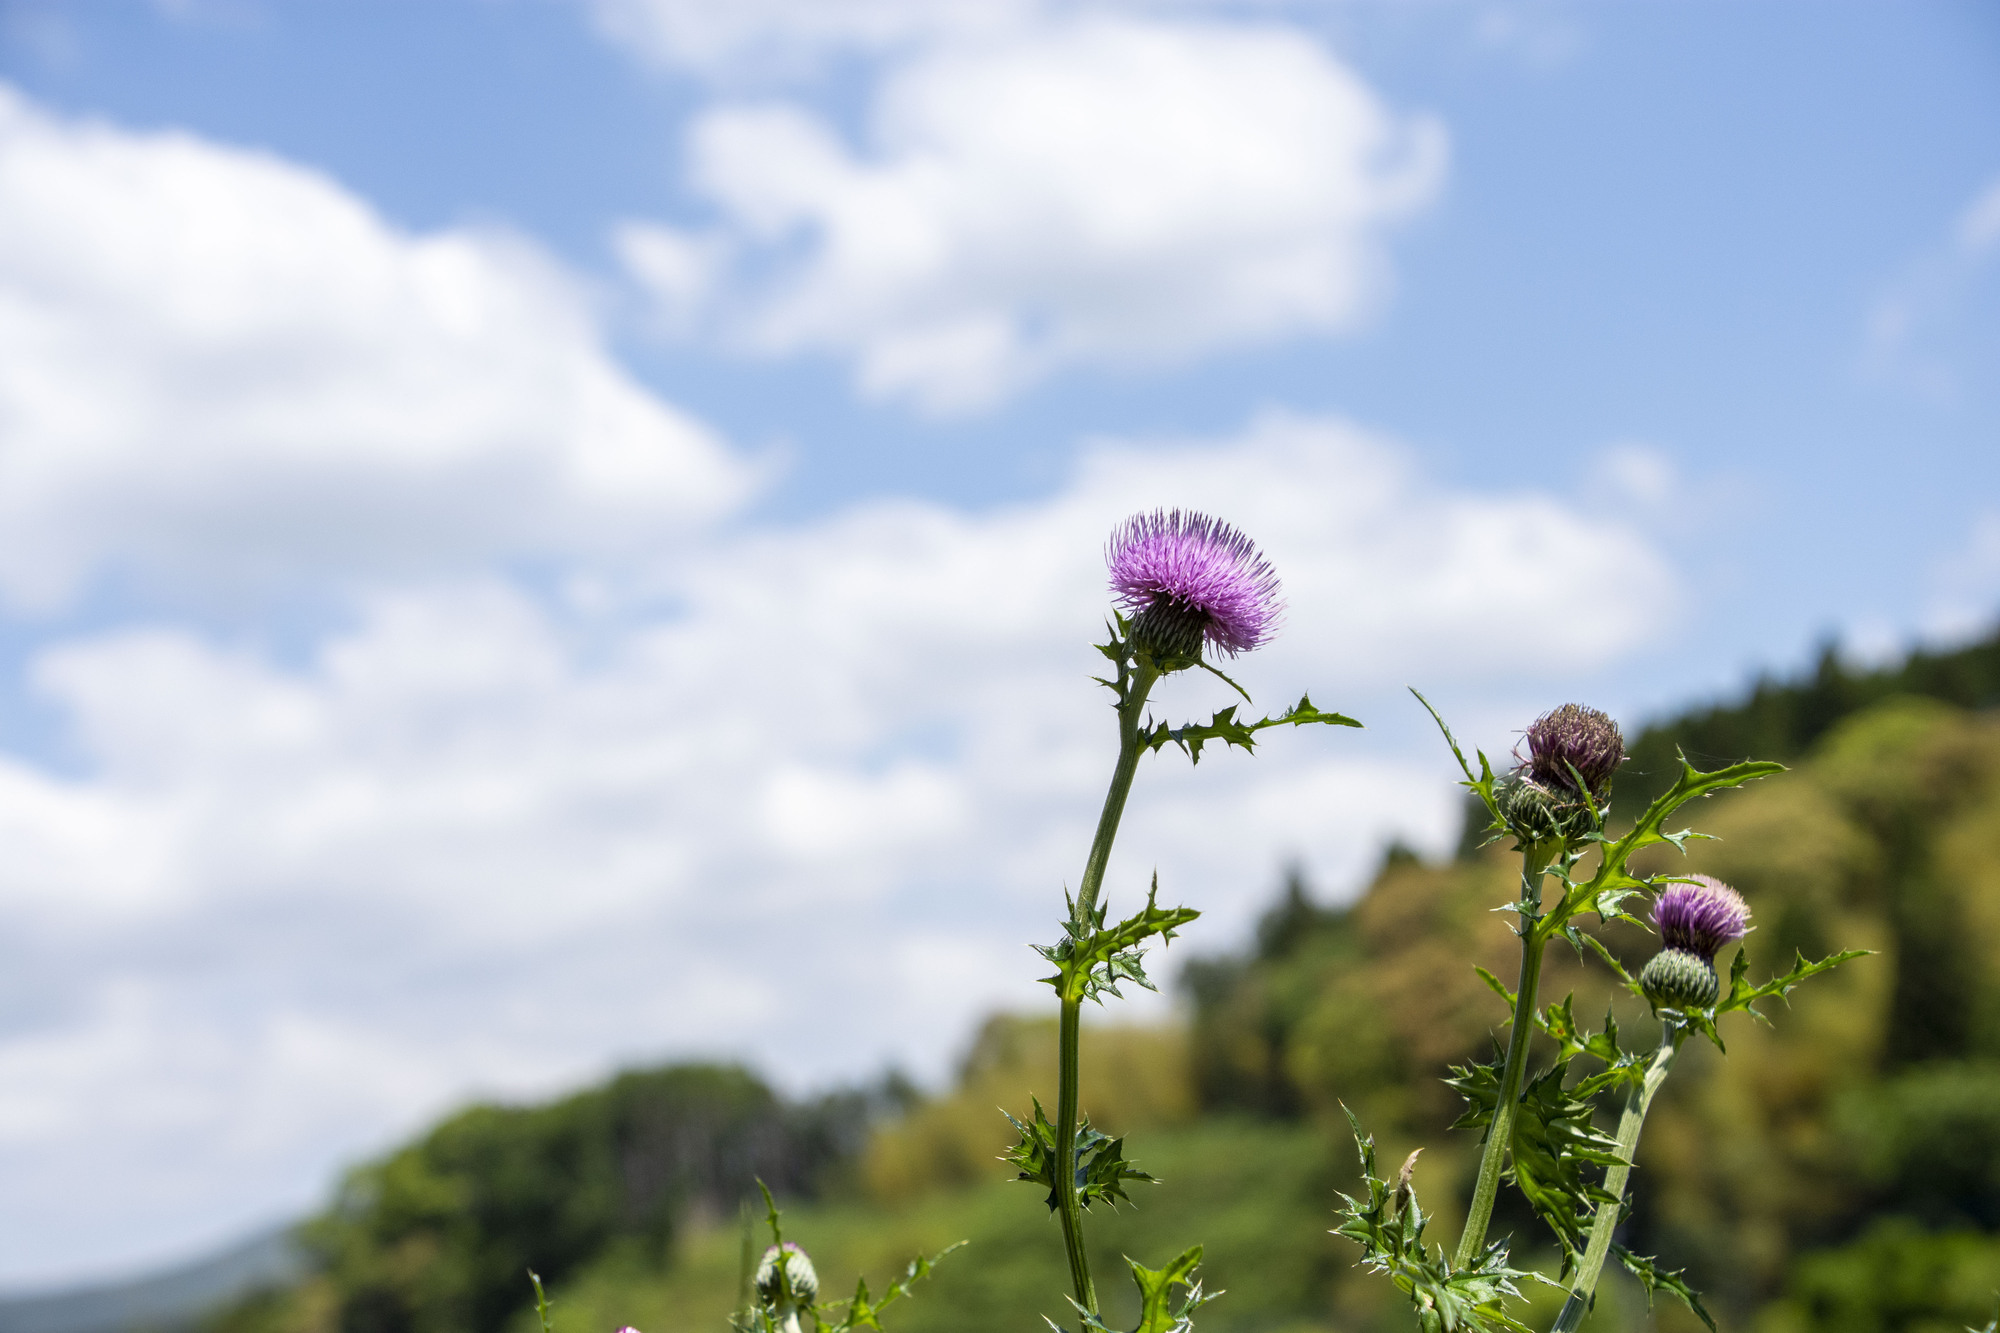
(1840, 1171)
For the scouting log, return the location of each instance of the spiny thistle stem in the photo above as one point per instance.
(1500, 1131)
(1637, 1102)
(1131, 708)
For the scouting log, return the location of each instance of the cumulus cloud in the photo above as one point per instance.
(1096, 190)
(216, 365)
(486, 839)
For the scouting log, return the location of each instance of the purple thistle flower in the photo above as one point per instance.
(1574, 737)
(1701, 917)
(1185, 579)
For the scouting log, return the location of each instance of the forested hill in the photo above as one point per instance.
(1782, 719)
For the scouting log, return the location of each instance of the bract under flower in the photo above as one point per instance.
(1205, 580)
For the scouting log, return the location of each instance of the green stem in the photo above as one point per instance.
(1637, 1102)
(1131, 708)
(1500, 1133)
(1066, 1116)
(1130, 713)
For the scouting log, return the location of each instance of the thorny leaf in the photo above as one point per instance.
(1604, 892)
(1389, 1227)
(1552, 1144)
(1091, 960)
(1157, 1311)
(1653, 1278)
(1224, 727)
(1740, 995)
(861, 1312)
(1101, 1168)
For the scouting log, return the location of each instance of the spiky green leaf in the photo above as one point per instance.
(1654, 1278)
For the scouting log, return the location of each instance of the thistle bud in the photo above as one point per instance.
(1695, 919)
(1677, 979)
(785, 1278)
(1538, 815)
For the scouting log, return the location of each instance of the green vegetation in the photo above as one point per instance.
(1839, 1173)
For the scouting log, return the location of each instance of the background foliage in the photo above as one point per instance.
(1839, 1172)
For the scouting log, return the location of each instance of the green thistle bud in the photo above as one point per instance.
(1535, 814)
(784, 1286)
(1678, 979)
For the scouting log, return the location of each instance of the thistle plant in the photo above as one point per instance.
(1539, 1130)
(783, 1290)
(1185, 586)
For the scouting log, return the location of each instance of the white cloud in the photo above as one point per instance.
(477, 840)
(793, 37)
(1965, 584)
(1935, 321)
(216, 367)
(1095, 190)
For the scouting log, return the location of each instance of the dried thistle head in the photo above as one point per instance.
(1570, 742)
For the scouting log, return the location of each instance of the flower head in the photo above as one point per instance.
(1576, 738)
(1188, 579)
(799, 1285)
(1701, 917)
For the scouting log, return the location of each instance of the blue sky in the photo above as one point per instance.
(541, 534)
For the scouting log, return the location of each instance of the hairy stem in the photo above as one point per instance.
(1637, 1102)
(1500, 1133)
(1131, 708)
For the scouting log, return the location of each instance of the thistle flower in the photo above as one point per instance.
(798, 1284)
(1187, 579)
(1569, 741)
(1701, 917)
(1694, 920)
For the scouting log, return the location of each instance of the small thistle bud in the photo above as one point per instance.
(1677, 979)
(1187, 580)
(1571, 741)
(799, 1284)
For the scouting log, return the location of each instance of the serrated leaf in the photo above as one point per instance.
(1559, 1021)
(1653, 1278)
(1740, 995)
(1553, 1141)
(1613, 883)
(1092, 960)
(862, 1313)
(1101, 1168)
(1745, 997)
(1224, 727)
(1157, 1311)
